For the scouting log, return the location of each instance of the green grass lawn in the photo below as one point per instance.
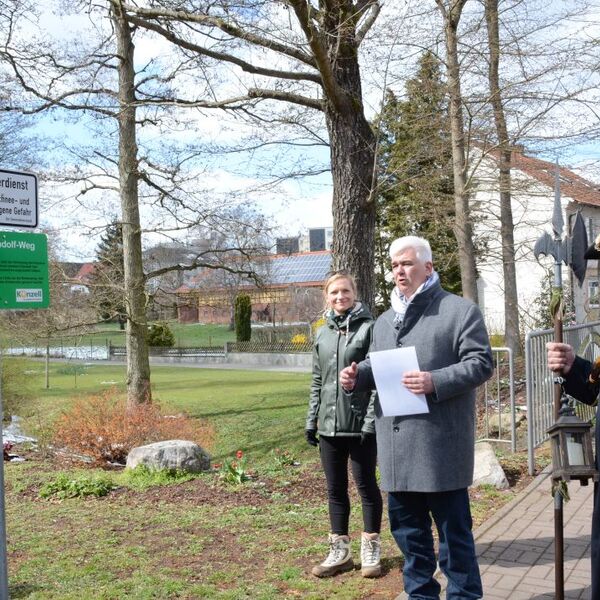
(192, 539)
(186, 334)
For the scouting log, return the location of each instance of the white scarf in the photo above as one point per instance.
(400, 302)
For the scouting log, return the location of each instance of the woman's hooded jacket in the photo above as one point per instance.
(343, 339)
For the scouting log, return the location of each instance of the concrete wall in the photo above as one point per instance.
(301, 361)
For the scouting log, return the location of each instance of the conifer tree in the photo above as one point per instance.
(107, 281)
(243, 315)
(415, 165)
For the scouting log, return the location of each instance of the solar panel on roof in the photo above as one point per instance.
(300, 268)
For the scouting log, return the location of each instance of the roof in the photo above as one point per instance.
(572, 185)
(302, 268)
(84, 272)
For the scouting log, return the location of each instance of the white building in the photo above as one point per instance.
(533, 183)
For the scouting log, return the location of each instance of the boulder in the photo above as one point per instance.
(487, 468)
(506, 421)
(170, 454)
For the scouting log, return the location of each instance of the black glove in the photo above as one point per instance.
(366, 436)
(311, 437)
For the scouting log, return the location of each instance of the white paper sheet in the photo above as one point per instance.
(388, 367)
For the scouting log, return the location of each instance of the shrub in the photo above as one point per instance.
(300, 340)
(15, 383)
(101, 427)
(160, 335)
(243, 314)
(64, 486)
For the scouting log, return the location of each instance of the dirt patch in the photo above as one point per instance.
(302, 486)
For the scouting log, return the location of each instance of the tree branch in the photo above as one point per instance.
(304, 14)
(372, 8)
(245, 66)
(206, 20)
(286, 97)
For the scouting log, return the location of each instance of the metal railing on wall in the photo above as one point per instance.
(540, 380)
(287, 347)
(174, 351)
(497, 395)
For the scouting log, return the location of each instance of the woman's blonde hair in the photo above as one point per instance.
(339, 275)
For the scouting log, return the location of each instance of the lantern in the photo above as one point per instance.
(571, 439)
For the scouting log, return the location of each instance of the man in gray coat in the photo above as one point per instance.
(426, 460)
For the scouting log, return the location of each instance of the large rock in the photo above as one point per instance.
(487, 469)
(505, 420)
(170, 454)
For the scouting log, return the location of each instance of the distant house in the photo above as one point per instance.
(532, 205)
(291, 290)
(77, 275)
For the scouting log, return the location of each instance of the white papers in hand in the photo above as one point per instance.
(388, 367)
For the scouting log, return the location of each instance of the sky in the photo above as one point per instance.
(294, 205)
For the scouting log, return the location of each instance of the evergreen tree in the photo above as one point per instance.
(243, 314)
(415, 165)
(108, 280)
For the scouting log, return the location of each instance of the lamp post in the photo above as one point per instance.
(568, 438)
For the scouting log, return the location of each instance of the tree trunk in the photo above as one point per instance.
(138, 364)
(511, 306)
(352, 151)
(463, 227)
(352, 155)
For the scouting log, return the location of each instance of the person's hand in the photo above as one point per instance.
(366, 437)
(418, 382)
(311, 437)
(348, 377)
(560, 357)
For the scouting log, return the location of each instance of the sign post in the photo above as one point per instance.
(24, 285)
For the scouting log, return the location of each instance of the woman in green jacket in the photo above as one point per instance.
(344, 424)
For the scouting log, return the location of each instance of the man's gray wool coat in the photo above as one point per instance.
(433, 452)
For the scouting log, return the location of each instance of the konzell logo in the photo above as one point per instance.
(29, 295)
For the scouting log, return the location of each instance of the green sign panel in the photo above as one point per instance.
(23, 271)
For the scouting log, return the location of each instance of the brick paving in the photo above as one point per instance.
(516, 546)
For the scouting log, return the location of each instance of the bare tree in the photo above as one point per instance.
(511, 303)
(319, 71)
(83, 82)
(451, 11)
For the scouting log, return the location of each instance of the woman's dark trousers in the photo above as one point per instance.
(335, 453)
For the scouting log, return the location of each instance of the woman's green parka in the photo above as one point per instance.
(339, 342)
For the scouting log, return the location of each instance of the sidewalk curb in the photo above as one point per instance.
(501, 512)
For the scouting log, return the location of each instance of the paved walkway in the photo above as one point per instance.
(516, 546)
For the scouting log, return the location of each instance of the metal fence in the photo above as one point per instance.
(279, 347)
(174, 352)
(497, 398)
(540, 380)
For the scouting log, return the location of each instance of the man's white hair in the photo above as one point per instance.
(418, 244)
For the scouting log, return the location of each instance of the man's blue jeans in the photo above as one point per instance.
(410, 516)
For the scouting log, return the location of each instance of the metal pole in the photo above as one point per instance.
(3, 561)
(559, 576)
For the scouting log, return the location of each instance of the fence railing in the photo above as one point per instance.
(287, 347)
(174, 352)
(540, 380)
(498, 395)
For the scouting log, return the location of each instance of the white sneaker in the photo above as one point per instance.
(370, 555)
(339, 558)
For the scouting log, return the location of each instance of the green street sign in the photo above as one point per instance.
(23, 271)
